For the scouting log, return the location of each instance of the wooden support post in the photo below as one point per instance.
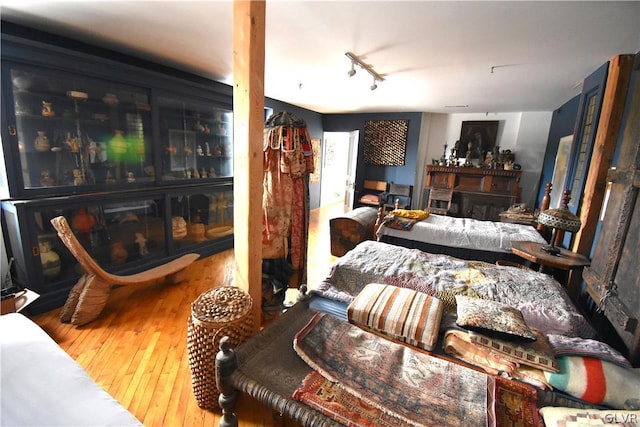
(248, 125)
(613, 104)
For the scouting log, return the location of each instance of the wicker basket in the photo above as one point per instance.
(218, 312)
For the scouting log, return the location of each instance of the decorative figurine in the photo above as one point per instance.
(49, 259)
(207, 149)
(199, 151)
(119, 253)
(467, 160)
(453, 158)
(178, 227)
(47, 109)
(142, 244)
(78, 179)
(93, 150)
(131, 177)
(72, 143)
(46, 178)
(42, 142)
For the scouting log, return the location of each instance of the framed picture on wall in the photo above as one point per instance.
(481, 135)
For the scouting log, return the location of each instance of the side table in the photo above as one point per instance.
(566, 260)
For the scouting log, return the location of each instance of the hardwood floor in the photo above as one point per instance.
(137, 348)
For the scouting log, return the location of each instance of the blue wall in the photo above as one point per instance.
(405, 174)
(314, 126)
(562, 124)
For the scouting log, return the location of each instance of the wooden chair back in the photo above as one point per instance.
(439, 201)
(398, 192)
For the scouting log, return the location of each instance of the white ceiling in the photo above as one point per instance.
(435, 56)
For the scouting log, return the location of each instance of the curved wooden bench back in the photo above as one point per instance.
(90, 266)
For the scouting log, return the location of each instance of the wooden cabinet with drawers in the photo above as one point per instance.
(477, 193)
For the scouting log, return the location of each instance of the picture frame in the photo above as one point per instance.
(482, 134)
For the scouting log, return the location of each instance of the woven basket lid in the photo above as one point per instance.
(222, 305)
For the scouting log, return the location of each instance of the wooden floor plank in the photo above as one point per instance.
(137, 348)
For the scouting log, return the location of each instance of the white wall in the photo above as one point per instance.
(525, 134)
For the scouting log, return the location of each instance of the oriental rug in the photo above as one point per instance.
(333, 401)
(417, 388)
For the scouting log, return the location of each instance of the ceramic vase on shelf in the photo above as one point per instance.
(83, 221)
(179, 228)
(50, 260)
(42, 142)
(119, 253)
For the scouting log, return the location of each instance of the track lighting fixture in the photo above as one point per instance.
(355, 60)
(352, 71)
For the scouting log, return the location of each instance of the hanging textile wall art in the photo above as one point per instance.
(385, 142)
(314, 177)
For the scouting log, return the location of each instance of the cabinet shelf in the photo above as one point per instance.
(110, 163)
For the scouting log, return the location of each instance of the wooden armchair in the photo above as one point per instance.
(89, 295)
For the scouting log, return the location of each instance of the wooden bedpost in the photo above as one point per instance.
(378, 222)
(544, 205)
(225, 364)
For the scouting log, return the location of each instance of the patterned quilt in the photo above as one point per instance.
(542, 300)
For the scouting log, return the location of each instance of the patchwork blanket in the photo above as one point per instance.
(545, 305)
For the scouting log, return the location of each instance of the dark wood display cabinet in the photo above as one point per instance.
(137, 157)
(477, 192)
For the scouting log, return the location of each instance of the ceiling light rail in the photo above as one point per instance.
(355, 60)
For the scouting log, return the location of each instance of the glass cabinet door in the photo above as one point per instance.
(196, 139)
(127, 232)
(201, 216)
(74, 131)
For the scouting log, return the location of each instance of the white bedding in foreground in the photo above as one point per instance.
(465, 233)
(43, 386)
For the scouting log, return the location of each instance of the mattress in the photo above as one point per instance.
(465, 233)
(43, 386)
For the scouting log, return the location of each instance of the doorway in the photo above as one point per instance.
(339, 161)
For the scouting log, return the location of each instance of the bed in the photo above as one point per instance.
(277, 368)
(43, 386)
(465, 238)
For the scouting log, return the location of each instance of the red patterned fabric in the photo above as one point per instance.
(288, 159)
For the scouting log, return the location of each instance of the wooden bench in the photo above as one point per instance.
(89, 295)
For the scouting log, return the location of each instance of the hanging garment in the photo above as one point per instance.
(288, 161)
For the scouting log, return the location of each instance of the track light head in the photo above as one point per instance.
(355, 60)
(352, 71)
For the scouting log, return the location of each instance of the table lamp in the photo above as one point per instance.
(559, 219)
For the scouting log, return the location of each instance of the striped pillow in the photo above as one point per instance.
(404, 314)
